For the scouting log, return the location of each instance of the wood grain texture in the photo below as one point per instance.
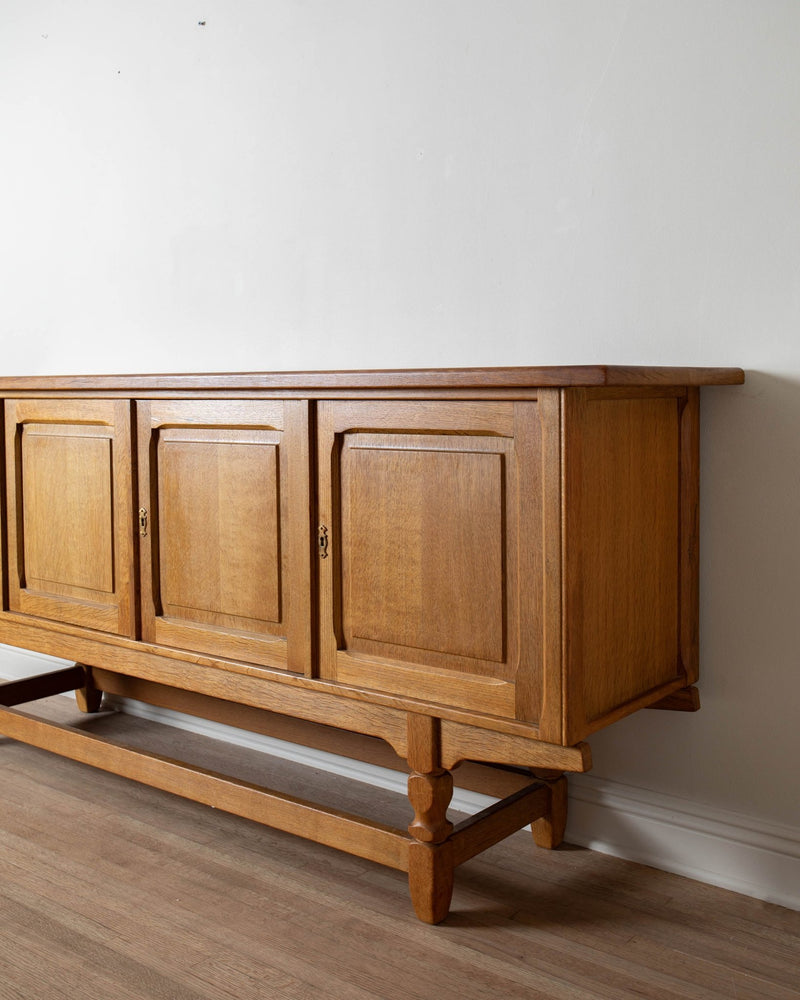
(498, 821)
(498, 781)
(524, 924)
(431, 880)
(430, 795)
(219, 485)
(241, 681)
(431, 864)
(429, 857)
(407, 548)
(430, 789)
(527, 584)
(68, 540)
(464, 742)
(622, 512)
(335, 828)
(549, 828)
(420, 378)
(423, 593)
(484, 570)
(299, 545)
(430, 786)
(551, 717)
(220, 553)
(69, 496)
(88, 697)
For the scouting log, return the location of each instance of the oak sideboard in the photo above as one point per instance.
(452, 570)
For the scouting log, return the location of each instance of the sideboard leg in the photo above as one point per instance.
(430, 880)
(88, 697)
(549, 830)
(430, 856)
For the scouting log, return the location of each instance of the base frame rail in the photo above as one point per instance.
(429, 851)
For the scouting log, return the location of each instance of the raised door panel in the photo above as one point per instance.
(431, 582)
(70, 511)
(225, 548)
(222, 482)
(419, 561)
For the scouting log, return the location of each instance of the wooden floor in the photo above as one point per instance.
(111, 891)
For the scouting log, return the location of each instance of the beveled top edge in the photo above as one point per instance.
(410, 378)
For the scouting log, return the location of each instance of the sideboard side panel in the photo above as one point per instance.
(622, 551)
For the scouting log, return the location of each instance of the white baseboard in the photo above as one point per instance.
(722, 848)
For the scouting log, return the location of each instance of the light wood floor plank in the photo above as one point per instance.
(110, 889)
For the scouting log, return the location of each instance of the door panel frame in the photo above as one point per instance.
(524, 696)
(290, 647)
(113, 611)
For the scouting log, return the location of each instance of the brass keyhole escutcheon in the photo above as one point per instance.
(143, 521)
(322, 542)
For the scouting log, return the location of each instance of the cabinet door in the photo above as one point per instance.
(431, 582)
(225, 528)
(70, 515)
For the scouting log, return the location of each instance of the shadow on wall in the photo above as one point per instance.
(750, 553)
(738, 753)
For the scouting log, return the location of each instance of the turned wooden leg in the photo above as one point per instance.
(88, 697)
(430, 856)
(549, 830)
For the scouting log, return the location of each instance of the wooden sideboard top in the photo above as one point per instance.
(402, 379)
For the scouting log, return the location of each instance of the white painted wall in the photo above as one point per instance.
(366, 183)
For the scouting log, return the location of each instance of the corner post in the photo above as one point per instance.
(89, 697)
(548, 830)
